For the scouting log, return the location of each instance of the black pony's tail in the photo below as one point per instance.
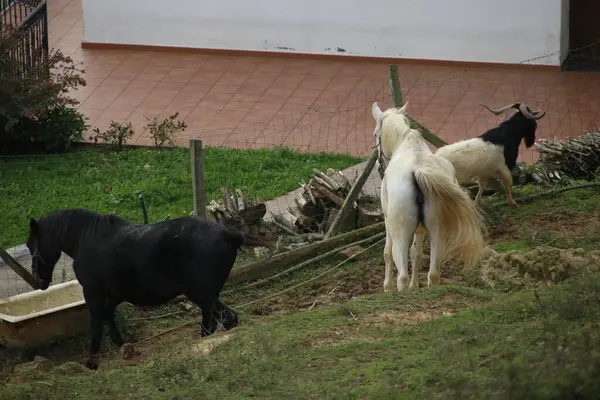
(240, 239)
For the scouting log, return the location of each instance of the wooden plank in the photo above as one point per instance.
(19, 269)
(262, 268)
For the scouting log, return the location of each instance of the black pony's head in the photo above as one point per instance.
(44, 254)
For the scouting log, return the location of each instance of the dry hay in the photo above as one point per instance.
(541, 265)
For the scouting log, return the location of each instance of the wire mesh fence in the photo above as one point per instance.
(11, 284)
(324, 106)
(312, 106)
(309, 105)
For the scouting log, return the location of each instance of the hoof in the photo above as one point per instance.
(205, 332)
(92, 364)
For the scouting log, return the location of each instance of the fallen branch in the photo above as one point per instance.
(530, 197)
(310, 261)
(282, 224)
(264, 267)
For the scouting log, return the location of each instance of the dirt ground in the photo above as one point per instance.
(556, 222)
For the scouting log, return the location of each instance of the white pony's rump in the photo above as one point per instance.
(418, 192)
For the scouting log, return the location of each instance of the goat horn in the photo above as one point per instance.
(500, 110)
(534, 115)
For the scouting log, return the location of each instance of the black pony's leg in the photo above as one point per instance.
(209, 322)
(113, 331)
(96, 308)
(199, 297)
(226, 315)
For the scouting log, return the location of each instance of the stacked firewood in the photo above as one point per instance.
(233, 209)
(576, 157)
(317, 204)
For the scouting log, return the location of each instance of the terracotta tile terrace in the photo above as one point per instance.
(315, 105)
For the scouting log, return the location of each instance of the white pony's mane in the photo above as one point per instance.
(398, 131)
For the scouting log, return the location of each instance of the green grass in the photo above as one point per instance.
(106, 181)
(511, 246)
(523, 345)
(506, 344)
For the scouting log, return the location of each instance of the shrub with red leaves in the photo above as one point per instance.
(36, 113)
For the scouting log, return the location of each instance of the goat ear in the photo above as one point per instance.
(377, 113)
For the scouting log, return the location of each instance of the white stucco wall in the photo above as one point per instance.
(507, 31)
(564, 30)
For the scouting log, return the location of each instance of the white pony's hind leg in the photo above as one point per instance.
(433, 276)
(400, 254)
(416, 256)
(387, 257)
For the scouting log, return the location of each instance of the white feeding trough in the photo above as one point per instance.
(38, 317)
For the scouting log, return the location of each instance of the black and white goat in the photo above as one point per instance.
(495, 152)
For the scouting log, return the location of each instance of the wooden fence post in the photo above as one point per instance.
(352, 196)
(395, 91)
(396, 94)
(197, 163)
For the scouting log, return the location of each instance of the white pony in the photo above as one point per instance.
(418, 192)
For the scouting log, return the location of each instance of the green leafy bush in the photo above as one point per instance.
(55, 130)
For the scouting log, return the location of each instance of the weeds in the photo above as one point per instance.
(163, 132)
(116, 135)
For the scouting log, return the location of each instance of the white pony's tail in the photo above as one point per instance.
(460, 225)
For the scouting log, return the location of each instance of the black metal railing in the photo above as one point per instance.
(29, 19)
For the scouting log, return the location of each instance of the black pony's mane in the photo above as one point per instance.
(66, 228)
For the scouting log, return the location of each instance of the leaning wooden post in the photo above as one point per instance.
(396, 94)
(196, 160)
(348, 203)
(394, 82)
(18, 268)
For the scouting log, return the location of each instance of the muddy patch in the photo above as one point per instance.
(545, 265)
(362, 329)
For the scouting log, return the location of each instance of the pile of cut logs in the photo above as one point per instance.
(319, 201)
(244, 214)
(576, 157)
(561, 161)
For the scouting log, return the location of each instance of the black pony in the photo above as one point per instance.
(145, 265)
